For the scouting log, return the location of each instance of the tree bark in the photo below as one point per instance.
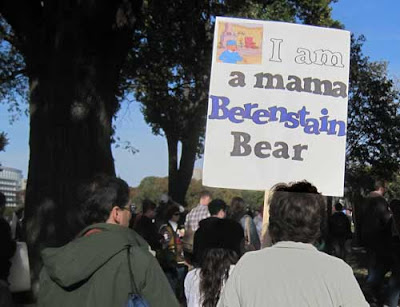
(65, 148)
(179, 177)
(74, 52)
(173, 180)
(186, 165)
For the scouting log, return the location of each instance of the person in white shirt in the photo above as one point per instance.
(292, 272)
(222, 242)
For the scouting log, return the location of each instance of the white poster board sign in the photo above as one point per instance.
(277, 106)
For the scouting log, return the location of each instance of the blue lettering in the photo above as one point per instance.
(216, 107)
(324, 120)
(236, 111)
(312, 126)
(247, 109)
(257, 115)
(273, 110)
(302, 115)
(291, 120)
(332, 127)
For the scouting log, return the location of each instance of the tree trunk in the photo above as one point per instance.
(74, 52)
(186, 166)
(179, 178)
(69, 141)
(172, 165)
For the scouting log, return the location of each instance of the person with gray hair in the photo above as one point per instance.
(292, 272)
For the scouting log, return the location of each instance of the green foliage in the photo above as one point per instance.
(373, 132)
(175, 52)
(13, 80)
(3, 141)
(393, 191)
(175, 56)
(153, 187)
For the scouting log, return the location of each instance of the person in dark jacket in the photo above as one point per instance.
(92, 270)
(8, 246)
(146, 227)
(376, 237)
(239, 213)
(206, 234)
(171, 256)
(392, 292)
(217, 209)
(339, 231)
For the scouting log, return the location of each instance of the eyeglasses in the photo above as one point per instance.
(131, 209)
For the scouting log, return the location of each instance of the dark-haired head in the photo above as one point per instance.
(237, 209)
(148, 205)
(217, 207)
(214, 272)
(173, 213)
(338, 207)
(100, 195)
(296, 211)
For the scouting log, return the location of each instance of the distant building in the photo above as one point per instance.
(10, 184)
(197, 174)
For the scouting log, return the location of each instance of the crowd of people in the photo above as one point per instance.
(211, 255)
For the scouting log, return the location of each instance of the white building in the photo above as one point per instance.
(10, 184)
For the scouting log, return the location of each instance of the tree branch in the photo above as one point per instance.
(13, 75)
(23, 16)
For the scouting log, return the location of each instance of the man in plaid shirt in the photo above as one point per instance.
(198, 213)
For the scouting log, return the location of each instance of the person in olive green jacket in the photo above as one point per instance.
(92, 270)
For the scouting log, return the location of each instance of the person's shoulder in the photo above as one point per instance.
(140, 256)
(253, 258)
(234, 225)
(192, 274)
(194, 210)
(330, 262)
(4, 224)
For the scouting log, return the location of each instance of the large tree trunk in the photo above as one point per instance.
(173, 180)
(179, 178)
(74, 52)
(70, 140)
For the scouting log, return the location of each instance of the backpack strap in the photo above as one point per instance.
(134, 289)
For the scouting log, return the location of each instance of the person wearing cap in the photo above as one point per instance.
(220, 249)
(230, 55)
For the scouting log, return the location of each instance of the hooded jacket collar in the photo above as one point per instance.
(79, 259)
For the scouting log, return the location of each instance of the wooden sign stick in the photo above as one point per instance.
(266, 238)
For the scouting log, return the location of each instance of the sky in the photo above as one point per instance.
(378, 21)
